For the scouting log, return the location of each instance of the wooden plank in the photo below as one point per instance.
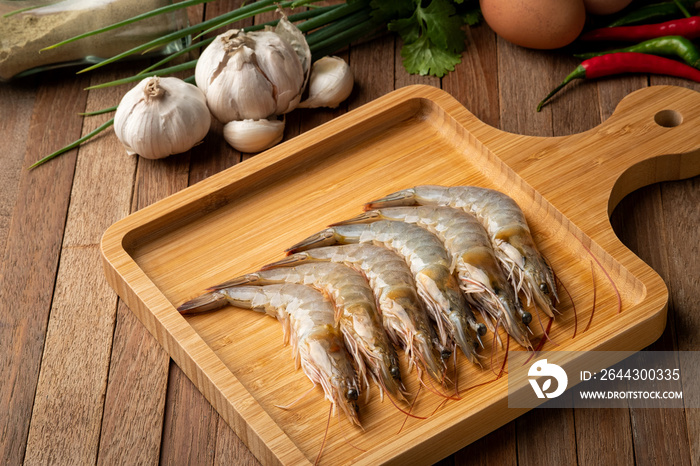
(189, 433)
(680, 200)
(16, 106)
(69, 400)
(603, 436)
(135, 400)
(660, 435)
(365, 60)
(499, 447)
(546, 436)
(517, 101)
(230, 449)
(30, 260)
(474, 83)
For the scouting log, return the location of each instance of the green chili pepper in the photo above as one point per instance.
(668, 45)
(648, 13)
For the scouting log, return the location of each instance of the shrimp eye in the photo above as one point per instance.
(395, 372)
(544, 288)
(352, 394)
(527, 317)
(481, 330)
(445, 353)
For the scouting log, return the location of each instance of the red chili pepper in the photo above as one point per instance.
(685, 27)
(626, 62)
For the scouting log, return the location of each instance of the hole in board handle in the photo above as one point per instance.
(668, 118)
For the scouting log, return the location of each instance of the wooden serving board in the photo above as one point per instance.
(234, 222)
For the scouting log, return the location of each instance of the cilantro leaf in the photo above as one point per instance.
(443, 27)
(408, 28)
(423, 57)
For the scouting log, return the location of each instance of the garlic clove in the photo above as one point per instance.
(234, 86)
(280, 64)
(253, 135)
(330, 83)
(160, 117)
(294, 37)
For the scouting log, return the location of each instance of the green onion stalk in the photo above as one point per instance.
(328, 29)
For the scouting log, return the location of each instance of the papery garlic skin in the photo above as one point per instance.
(253, 135)
(160, 117)
(331, 82)
(249, 76)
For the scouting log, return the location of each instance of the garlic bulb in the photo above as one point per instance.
(330, 83)
(160, 117)
(250, 76)
(253, 135)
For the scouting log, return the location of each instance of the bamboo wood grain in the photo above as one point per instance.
(149, 253)
(27, 280)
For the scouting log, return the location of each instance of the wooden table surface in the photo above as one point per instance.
(83, 382)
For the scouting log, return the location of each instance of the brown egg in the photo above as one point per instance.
(605, 7)
(537, 24)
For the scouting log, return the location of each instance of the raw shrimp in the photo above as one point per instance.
(403, 315)
(473, 259)
(356, 314)
(505, 222)
(429, 263)
(308, 320)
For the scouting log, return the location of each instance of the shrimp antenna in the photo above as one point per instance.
(286, 407)
(573, 305)
(545, 332)
(348, 441)
(454, 363)
(505, 358)
(407, 413)
(410, 409)
(325, 436)
(432, 390)
(493, 343)
(541, 342)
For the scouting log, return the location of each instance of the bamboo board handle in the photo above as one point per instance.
(586, 175)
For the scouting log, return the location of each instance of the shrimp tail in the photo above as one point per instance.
(399, 198)
(326, 237)
(238, 281)
(289, 261)
(210, 301)
(365, 217)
